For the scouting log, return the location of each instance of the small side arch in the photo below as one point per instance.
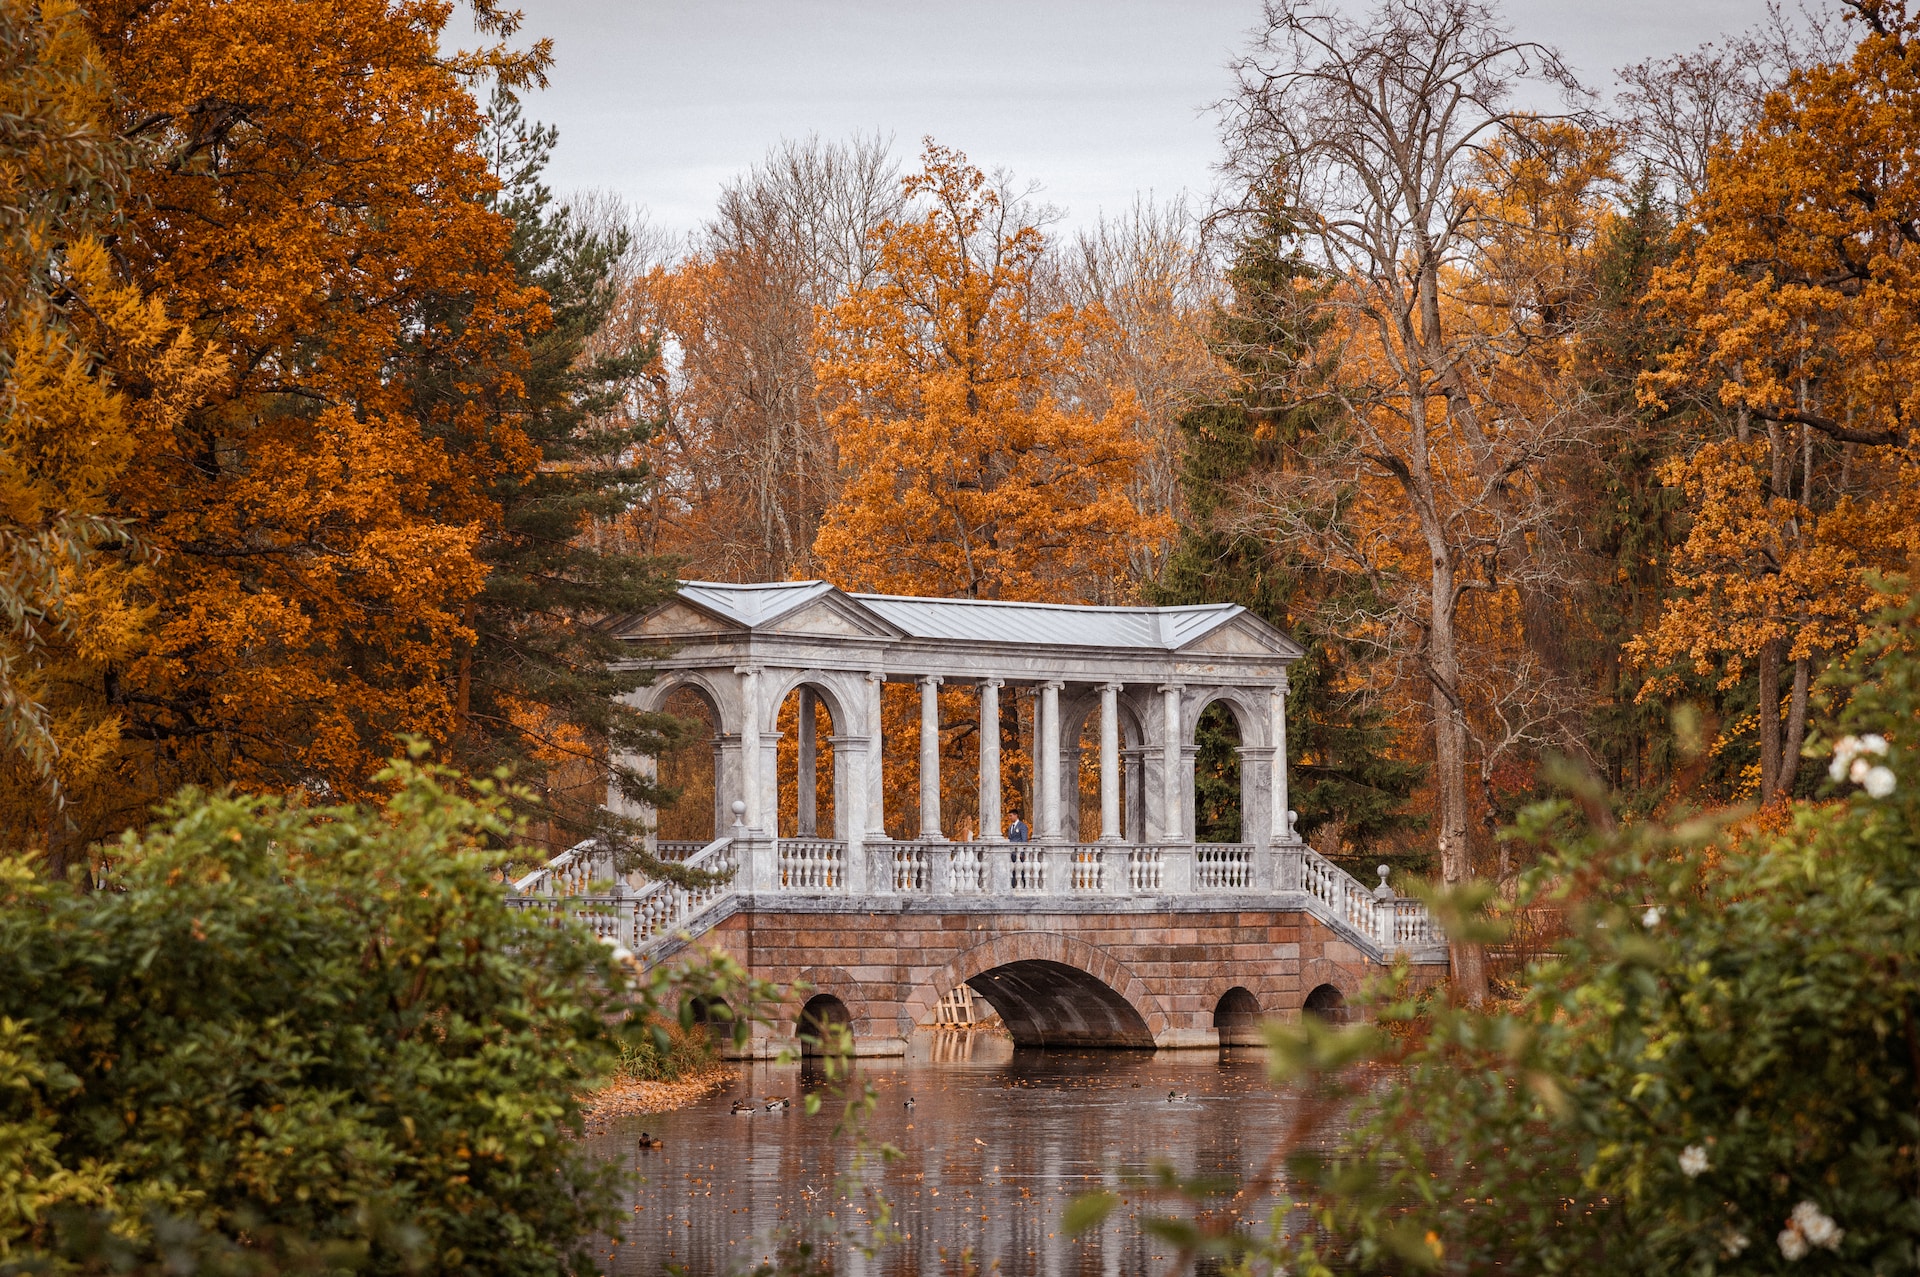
(720, 703)
(839, 985)
(1236, 1017)
(829, 686)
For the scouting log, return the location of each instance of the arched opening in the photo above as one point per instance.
(1217, 807)
(1326, 1003)
(711, 1012)
(690, 767)
(817, 1020)
(1236, 1018)
(806, 765)
(1051, 1004)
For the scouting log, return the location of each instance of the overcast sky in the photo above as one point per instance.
(1098, 100)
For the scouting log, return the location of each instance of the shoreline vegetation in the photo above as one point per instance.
(628, 1096)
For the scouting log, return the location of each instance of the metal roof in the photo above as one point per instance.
(753, 605)
(1156, 629)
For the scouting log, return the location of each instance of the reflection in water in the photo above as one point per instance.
(995, 1146)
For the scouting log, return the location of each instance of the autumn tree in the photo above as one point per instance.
(963, 475)
(1146, 276)
(1382, 127)
(1796, 296)
(73, 575)
(309, 194)
(745, 455)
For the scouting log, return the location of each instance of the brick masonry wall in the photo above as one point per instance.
(891, 969)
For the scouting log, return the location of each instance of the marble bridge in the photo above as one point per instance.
(1113, 926)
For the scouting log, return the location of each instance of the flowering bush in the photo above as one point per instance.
(1723, 1053)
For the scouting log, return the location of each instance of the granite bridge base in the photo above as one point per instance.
(1140, 974)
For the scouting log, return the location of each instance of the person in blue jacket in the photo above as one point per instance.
(1019, 832)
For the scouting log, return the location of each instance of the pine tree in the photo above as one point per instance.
(1346, 779)
(541, 689)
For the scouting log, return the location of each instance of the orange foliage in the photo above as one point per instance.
(313, 205)
(963, 474)
(1797, 302)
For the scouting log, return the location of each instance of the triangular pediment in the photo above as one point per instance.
(677, 620)
(1245, 635)
(833, 616)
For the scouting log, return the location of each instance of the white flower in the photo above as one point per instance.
(621, 953)
(1817, 1226)
(1792, 1244)
(1878, 781)
(1733, 1242)
(1858, 772)
(1693, 1161)
(1651, 918)
(1845, 750)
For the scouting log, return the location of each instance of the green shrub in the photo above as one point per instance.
(687, 1050)
(312, 1037)
(1717, 1071)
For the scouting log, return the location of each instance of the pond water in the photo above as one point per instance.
(996, 1144)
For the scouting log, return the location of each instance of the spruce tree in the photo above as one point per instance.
(1346, 779)
(540, 691)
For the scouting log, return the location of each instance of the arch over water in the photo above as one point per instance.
(1051, 990)
(1052, 1004)
(822, 1013)
(1326, 1002)
(1236, 1018)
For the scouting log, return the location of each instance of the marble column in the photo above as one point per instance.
(990, 826)
(755, 815)
(1173, 800)
(806, 788)
(722, 792)
(876, 779)
(1047, 766)
(850, 806)
(1135, 762)
(930, 759)
(1277, 709)
(1110, 827)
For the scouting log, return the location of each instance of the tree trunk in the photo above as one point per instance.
(1767, 719)
(1450, 759)
(1796, 726)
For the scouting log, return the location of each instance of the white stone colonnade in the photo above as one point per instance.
(1144, 674)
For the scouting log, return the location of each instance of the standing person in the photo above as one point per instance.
(966, 830)
(1018, 833)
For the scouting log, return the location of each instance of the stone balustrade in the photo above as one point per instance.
(926, 873)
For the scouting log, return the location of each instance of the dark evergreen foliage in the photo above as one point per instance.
(1345, 775)
(541, 691)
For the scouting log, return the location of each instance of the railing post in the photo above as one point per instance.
(1176, 870)
(1059, 870)
(939, 867)
(1290, 868)
(1000, 868)
(879, 858)
(755, 853)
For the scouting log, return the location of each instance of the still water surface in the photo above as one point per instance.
(997, 1143)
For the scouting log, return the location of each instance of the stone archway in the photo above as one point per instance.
(1236, 1018)
(818, 1019)
(1051, 990)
